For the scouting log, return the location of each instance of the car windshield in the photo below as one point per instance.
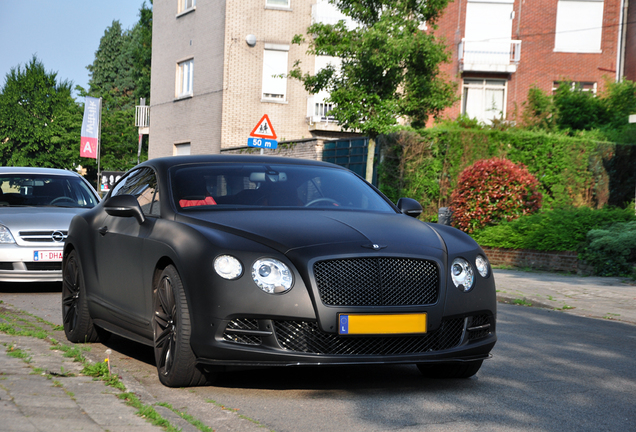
(42, 190)
(224, 186)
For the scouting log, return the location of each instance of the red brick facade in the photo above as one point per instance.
(534, 24)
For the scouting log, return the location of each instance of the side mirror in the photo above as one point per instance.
(124, 206)
(409, 207)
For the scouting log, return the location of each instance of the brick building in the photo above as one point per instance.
(216, 67)
(501, 48)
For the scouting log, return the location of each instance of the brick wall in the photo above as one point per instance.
(534, 24)
(553, 261)
(303, 149)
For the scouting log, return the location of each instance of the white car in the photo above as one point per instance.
(36, 208)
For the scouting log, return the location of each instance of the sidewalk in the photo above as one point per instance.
(589, 296)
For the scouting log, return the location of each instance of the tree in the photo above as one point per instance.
(120, 75)
(40, 122)
(389, 67)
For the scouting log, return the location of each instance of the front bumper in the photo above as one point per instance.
(265, 342)
(17, 264)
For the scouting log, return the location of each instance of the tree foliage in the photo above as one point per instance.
(120, 75)
(39, 120)
(491, 191)
(389, 67)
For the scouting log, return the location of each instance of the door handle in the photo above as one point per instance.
(103, 230)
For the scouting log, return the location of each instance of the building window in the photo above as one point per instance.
(278, 3)
(184, 78)
(275, 72)
(181, 149)
(576, 85)
(484, 99)
(579, 26)
(185, 5)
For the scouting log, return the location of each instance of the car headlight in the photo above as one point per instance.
(481, 262)
(5, 235)
(228, 267)
(272, 276)
(462, 274)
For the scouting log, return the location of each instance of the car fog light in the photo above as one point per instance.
(228, 267)
(462, 274)
(5, 235)
(272, 276)
(481, 262)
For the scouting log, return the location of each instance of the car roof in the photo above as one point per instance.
(167, 162)
(36, 170)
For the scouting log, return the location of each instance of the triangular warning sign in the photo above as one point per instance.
(264, 129)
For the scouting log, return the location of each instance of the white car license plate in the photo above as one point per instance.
(49, 255)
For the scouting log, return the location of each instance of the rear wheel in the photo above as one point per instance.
(78, 325)
(450, 370)
(176, 363)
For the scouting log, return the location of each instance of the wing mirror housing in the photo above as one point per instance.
(124, 206)
(409, 207)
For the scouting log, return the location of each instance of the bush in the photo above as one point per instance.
(612, 251)
(491, 191)
(552, 230)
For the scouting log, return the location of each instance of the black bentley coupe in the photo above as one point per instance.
(263, 261)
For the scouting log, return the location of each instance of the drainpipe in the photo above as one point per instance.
(622, 35)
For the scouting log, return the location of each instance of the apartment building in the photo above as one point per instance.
(501, 48)
(218, 66)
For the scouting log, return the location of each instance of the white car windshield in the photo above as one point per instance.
(41, 190)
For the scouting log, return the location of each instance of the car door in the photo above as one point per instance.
(120, 250)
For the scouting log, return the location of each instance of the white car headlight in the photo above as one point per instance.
(481, 262)
(462, 274)
(228, 267)
(272, 276)
(5, 235)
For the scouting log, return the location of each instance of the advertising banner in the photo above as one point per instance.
(90, 127)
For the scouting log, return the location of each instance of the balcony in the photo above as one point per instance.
(318, 116)
(489, 56)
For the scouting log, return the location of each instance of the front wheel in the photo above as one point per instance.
(176, 363)
(78, 325)
(450, 370)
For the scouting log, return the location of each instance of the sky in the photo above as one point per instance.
(63, 34)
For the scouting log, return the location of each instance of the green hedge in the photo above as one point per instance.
(552, 230)
(578, 171)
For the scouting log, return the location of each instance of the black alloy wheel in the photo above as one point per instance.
(176, 363)
(78, 325)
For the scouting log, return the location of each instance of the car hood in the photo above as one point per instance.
(37, 218)
(289, 230)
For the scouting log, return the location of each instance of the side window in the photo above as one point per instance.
(142, 184)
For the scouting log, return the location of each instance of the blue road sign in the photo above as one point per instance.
(262, 143)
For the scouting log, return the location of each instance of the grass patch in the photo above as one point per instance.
(521, 302)
(147, 411)
(187, 417)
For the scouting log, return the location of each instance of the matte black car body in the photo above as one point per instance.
(119, 252)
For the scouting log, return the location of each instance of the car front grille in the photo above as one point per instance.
(377, 282)
(241, 331)
(6, 266)
(306, 337)
(44, 236)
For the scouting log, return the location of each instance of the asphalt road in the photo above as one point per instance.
(550, 371)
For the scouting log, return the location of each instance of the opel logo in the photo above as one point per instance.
(57, 236)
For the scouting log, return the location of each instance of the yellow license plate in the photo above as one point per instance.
(370, 324)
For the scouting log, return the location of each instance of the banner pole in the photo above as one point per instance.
(99, 148)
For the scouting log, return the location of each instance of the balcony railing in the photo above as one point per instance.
(142, 116)
(489, 56)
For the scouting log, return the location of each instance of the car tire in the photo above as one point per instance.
(78, 325)
(176, 363)
(450, 370)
